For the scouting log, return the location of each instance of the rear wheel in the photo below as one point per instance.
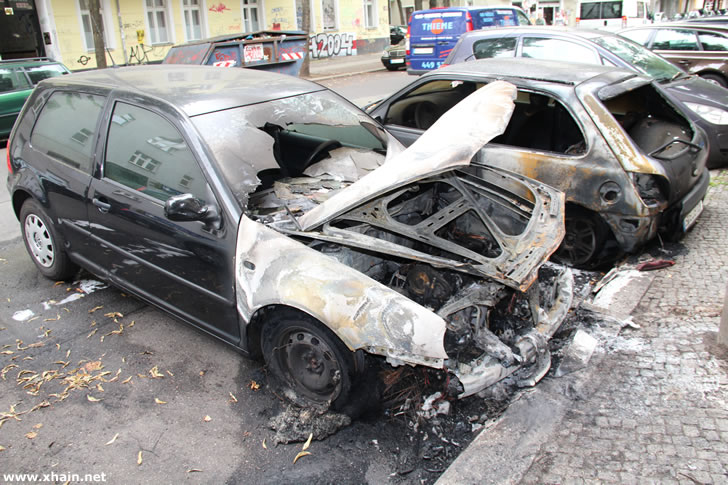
(584, 239)
(715, 79)
(310, 365)
(43, 243)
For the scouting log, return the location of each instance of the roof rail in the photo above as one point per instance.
(26, 59)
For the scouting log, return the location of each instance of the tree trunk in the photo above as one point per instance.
(97, 26)
(402, 20)
(418, 4)
(306, 27)
(433, 3)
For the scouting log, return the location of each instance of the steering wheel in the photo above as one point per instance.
(321, 149)
(425, 115)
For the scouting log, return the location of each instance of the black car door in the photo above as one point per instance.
(184, 267)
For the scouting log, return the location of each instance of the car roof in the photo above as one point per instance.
(539, 29)
(682, 25)
(535, 69)
(29, 62)
(193, 89)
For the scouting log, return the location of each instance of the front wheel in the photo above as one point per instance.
(43, 243)
(715, 79)
(310, 365)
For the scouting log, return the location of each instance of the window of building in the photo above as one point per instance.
(329, 14)
(86, 25)
(157, 20)
(149, 155)
(370, 14)
(192, 15)
(66, 128)
(250, 15)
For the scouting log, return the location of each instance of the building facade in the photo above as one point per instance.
(139, 31)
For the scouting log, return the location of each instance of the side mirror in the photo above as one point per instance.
(187, 207)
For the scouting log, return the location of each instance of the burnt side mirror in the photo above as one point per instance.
(187, 207)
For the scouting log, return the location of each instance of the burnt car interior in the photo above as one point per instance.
(539, 122)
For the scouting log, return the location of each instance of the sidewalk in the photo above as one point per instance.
(345, 66)
(651, 408)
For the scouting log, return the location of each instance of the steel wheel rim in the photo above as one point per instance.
(309, 364)
(580, 241)
(39, 241)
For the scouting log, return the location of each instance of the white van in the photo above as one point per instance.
(611, 14)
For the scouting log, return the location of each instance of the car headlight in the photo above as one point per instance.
(385, 54)
(713, 115)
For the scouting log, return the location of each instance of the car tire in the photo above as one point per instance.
(715, 79)
(308, 362)
(585, 236)
(43, 243)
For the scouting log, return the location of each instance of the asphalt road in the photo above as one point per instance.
(95, 381)
(367, 88)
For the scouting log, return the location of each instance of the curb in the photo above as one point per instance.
(505, 451)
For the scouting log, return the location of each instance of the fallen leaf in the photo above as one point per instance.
(154, 372)
(159, 401)
(28, 358)
(100, 387)
(299, 455)
(307, 443)
(31, 435)
(58, 346)
(2, 448)
(92, 332)
(254, 385)
(91, 398)
(90, 367)
(62, 363)
(191, 470)
(127, 380)
(113, 315)
(96, 308)
(132, 323)
(68, 353)
(58, 317)
(58, 283)
(47, 332)
(202, 373)
(264, 445)
(38, 426)
(112, 439)
(232, 397)
(207, 419)
(139, 458)
(7, 352)
(170, 374)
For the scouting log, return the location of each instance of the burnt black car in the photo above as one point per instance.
(259, 208)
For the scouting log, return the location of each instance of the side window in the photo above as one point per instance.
(11, 80)
(39, 73)
(498, 47)
(558, 50)
(540, 122)
(713, 42)
(522, 18)
(641, 36)
(66, 128)
(146, 153)
(675, 40)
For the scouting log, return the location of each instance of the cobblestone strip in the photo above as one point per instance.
(657, 408)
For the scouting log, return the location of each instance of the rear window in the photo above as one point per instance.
(11, 80)
(437, 23)
(501, 17)
(38, 73)
(601, 10)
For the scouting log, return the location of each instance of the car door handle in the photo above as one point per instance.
(103, 206)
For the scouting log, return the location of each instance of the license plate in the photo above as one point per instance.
(253, 53)
(422, 50)
(396, 61)
(692, 216)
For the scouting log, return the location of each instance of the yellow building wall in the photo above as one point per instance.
(223, 17)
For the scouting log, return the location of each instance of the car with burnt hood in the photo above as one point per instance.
(276, 216)
(629, 160)
(707, 102)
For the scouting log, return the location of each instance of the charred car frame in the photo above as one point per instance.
(278, 217)
(627, 156)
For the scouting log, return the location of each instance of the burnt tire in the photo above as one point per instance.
(309, 364)
(586, 234)
(43, 243)
(715, 79)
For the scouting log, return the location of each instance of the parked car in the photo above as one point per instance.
(629, 161)
(612, 14)
(397, 33)
(700, 49)
(716, 19)
(707, 103)
(258, 208)
(431, 34)
(393, 57)
(17, 79)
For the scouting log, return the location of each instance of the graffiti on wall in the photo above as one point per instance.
(219, 8)
(330, 45)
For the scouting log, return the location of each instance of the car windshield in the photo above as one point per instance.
(640, 57)
(251, 139)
